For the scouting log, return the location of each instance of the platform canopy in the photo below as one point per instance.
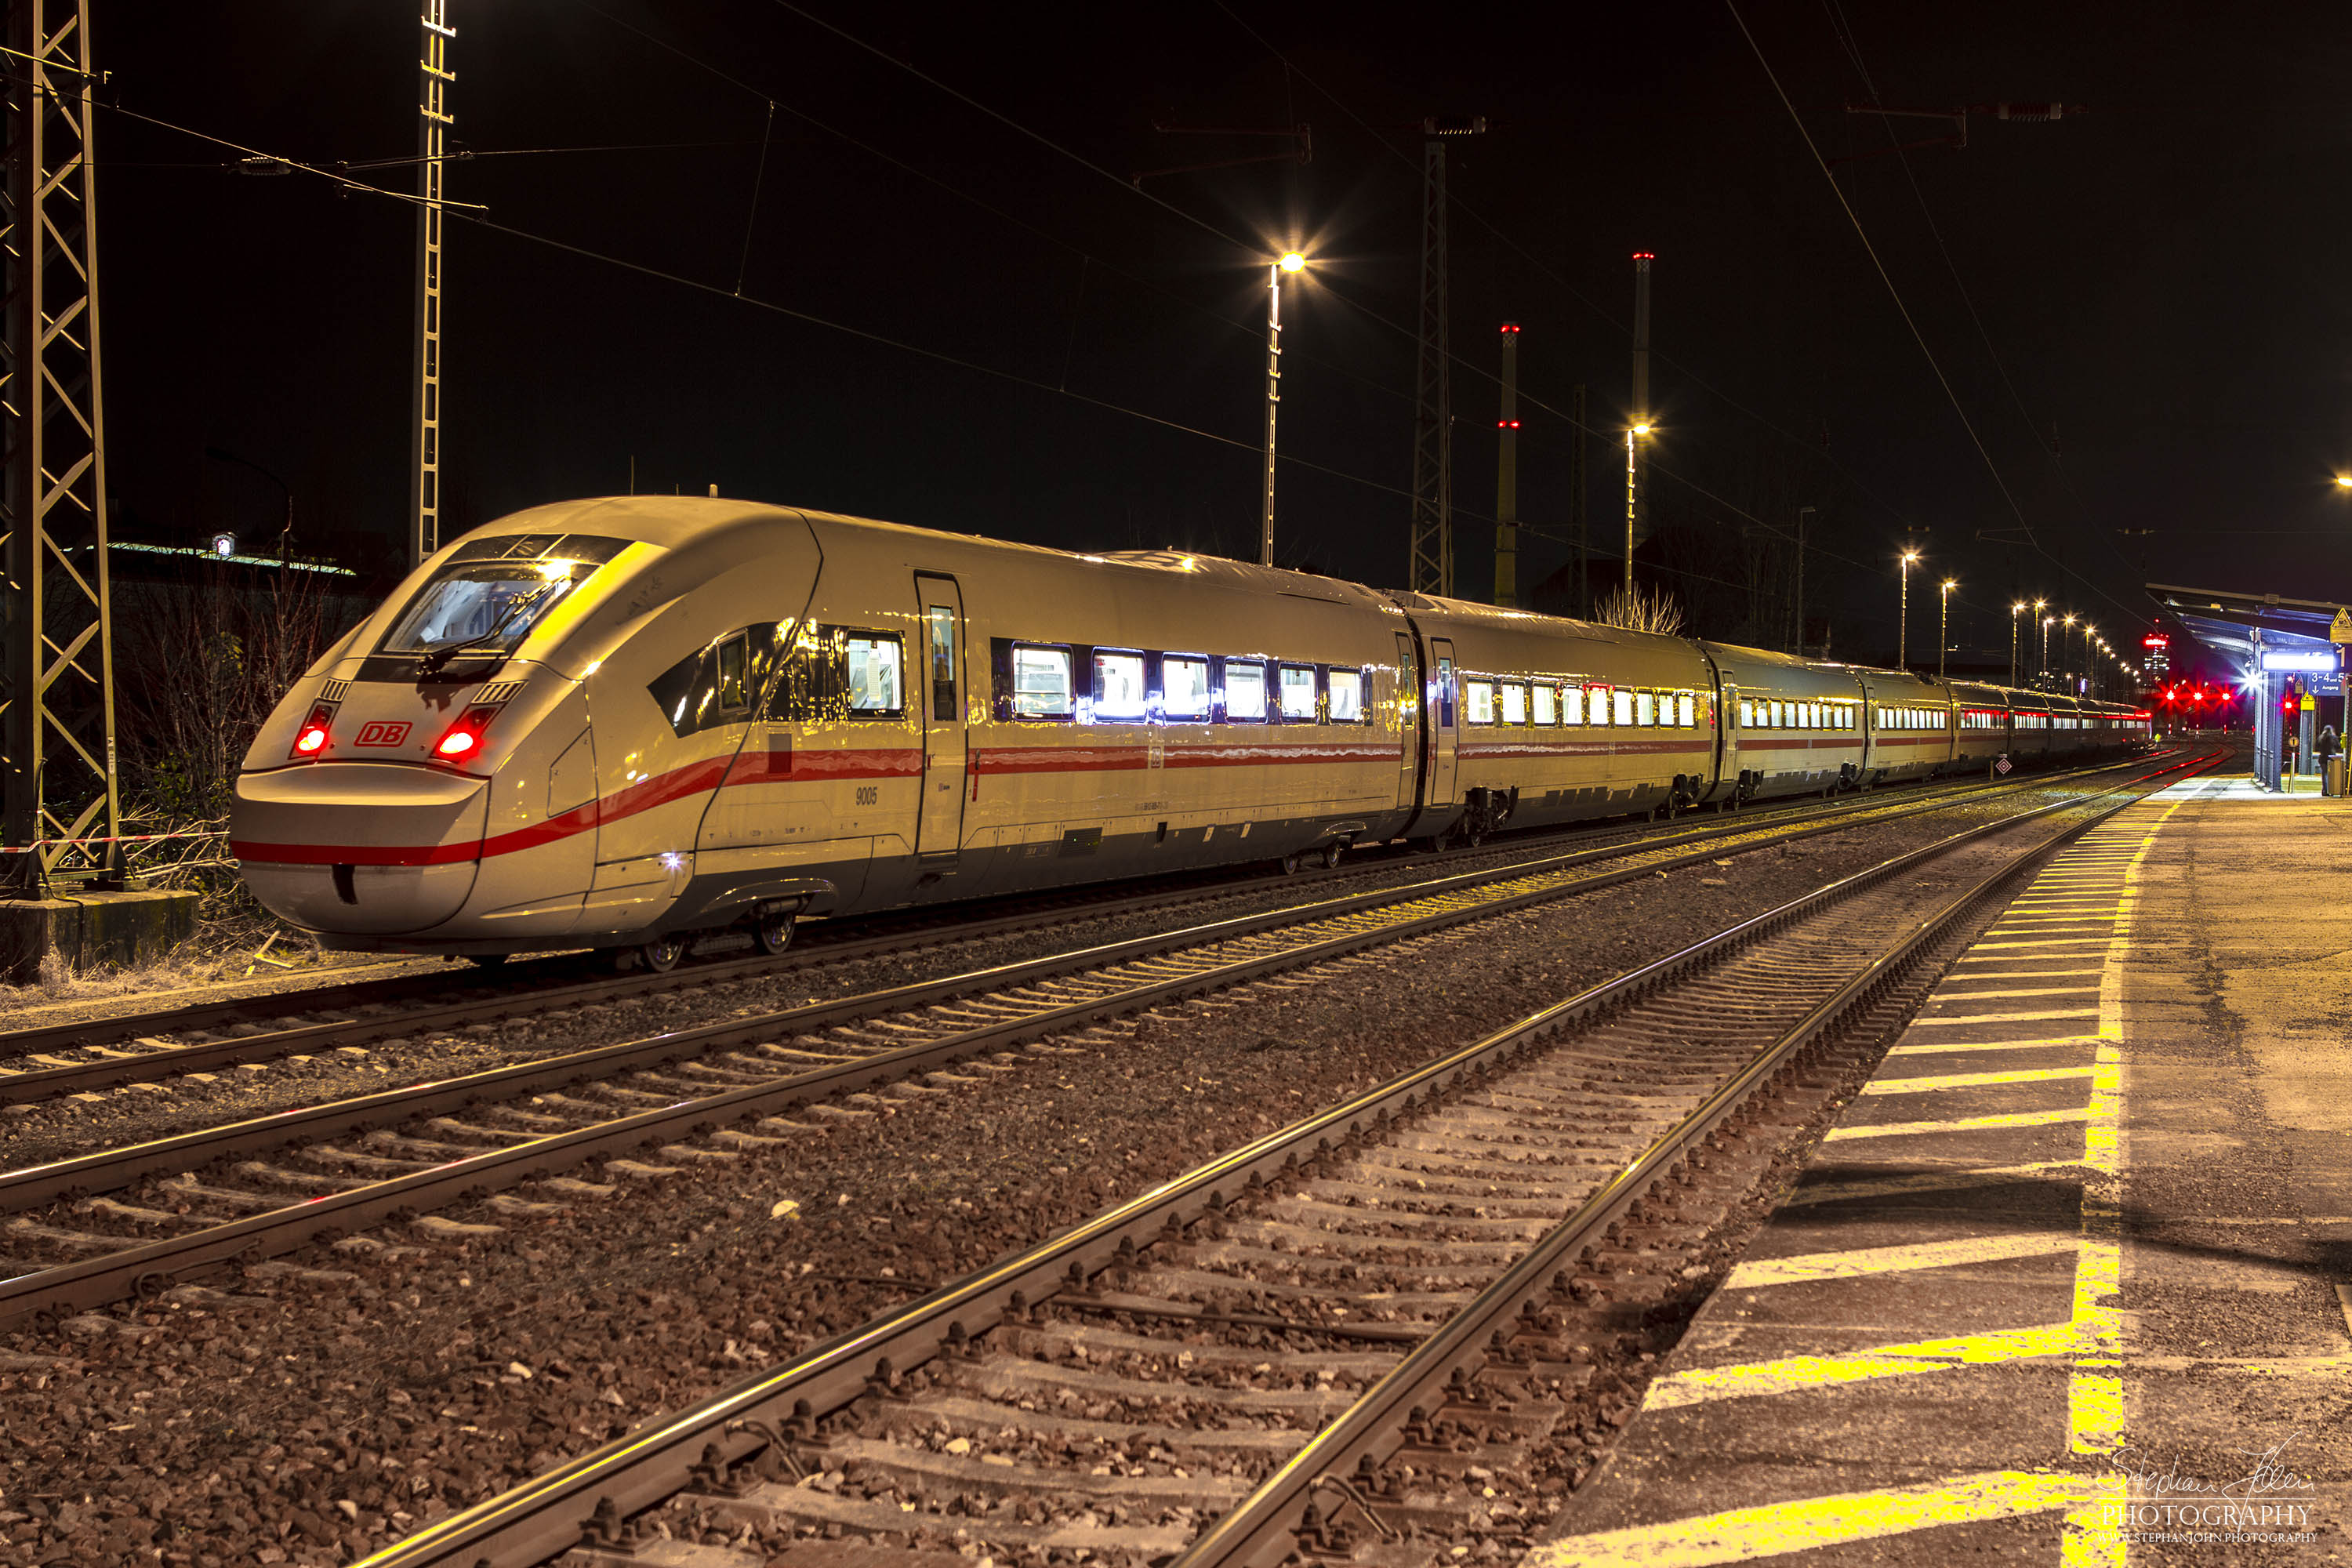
(2279, 650)
(2236, 625)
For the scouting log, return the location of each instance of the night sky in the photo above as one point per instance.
(2154, 364)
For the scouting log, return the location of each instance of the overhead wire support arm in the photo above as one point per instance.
(2038, 113)
(1303, 151)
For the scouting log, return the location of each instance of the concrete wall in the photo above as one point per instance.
(89, 930)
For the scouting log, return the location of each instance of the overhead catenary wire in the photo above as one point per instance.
(1843, 31)
(1455, 203)
(482, 220)
(964, 194)
(1893, 293)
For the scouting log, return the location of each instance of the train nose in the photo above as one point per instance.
(361, 847)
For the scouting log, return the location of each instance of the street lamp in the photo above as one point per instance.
(2047, 622)
(2014, 611)
(2065, 669)
(1944, 627)
(1290, 261)
(1633, 500)
(1903, 615)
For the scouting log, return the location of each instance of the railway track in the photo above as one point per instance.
(118, 1221)
(1313, 1340)
(58, 1059)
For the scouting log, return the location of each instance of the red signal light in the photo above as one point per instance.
(311, 738)
(463, 738)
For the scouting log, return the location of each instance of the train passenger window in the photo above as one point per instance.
(1477, 701)
(1546, 697)
(1346, 697)
(877, 687)
(734, 671)
(1298, 694)
(941, 618)
(1245, 691)
(1686, 710)
(1185, 678)
(1041, 682)
(1747, 713)
(1515, 702)
(1622, 702)
(1645, 707)
(1119, 685)
(1571, 705)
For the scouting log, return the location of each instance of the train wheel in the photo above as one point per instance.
(1331, 857)
(1290, 864)
(662, 954)
(773, 934)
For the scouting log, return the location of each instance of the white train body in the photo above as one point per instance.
(597, 722)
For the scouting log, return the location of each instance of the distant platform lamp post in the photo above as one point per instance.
(1634, 434)
(2015, 610)
(2047, 622)
(1903, 614)
(286, 529)
(1944, 625)
(2065, 652)
(1290, 261)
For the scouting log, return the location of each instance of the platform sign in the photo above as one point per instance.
(2002, 766)
(2340, 629)
(2310, 703)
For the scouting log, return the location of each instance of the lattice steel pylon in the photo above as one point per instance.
(1432, 418)
(433, 123)
(1431, 565)
(57, 710)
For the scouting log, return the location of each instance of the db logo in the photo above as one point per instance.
(380, 733)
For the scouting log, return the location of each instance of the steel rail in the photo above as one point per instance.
(47, 1082)
(1263, 1530)
(545, 1516)
(145, 1266)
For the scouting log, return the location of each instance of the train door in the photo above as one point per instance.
(938, 832)
(1726, 726)
(1441, 731)
(1409, 717)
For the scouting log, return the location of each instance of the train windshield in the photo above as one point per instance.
(484, 605)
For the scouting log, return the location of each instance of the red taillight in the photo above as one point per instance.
(311, 738)
(463, 738)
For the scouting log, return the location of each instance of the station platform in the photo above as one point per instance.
(2067, 1282)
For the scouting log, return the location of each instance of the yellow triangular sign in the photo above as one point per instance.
(2341, 629)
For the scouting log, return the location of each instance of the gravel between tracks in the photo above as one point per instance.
(306, 1419)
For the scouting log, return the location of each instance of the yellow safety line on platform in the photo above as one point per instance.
(1963, 1124)
(2030, 972)
(2023, 991)
(2033, 1016)
(1972, 1079)
(2091, 1337)
(1788, 1374)
(1921, 1181)
(1743, 1534)
(1801, 1268)
(2046, 1042)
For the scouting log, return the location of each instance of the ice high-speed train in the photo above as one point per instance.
(620, 722)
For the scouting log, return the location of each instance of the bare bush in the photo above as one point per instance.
(1639, 609)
